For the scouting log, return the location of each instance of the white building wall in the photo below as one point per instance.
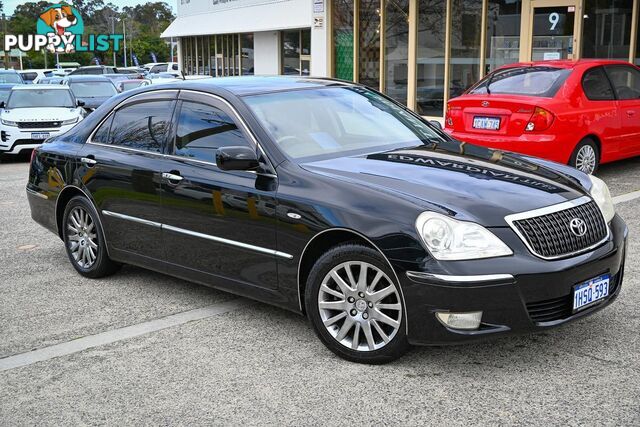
(266, 53)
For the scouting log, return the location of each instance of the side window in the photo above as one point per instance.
(626, 81)
(202, 129)
(93, 71)
(596, 85)
(102, 134)
(142, 126)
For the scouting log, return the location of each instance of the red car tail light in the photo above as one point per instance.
(540, 120)
(450, 113)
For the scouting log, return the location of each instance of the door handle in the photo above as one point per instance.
(88, 161)
(172, 177)
(631, 113)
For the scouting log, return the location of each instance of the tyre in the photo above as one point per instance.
(586, 156)
(84, 241)
(355, 305)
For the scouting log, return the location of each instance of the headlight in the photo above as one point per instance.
(9, 123)
(600, 193)
(449, 239)
(70, 121)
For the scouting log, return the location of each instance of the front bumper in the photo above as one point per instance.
(537, 296)
(14, 139)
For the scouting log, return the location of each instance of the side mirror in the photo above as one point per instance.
(436, 123)
(80, 103)
(1, 104)
(237, 159)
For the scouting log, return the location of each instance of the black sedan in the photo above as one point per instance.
(328, 199)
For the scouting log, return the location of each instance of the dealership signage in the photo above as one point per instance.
(60, 29)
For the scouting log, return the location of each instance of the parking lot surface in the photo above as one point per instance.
(143, 348)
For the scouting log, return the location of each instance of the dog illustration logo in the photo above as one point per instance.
(63, 21)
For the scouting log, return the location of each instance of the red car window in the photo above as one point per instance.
(596, 85)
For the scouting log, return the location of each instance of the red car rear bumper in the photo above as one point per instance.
(546, 146)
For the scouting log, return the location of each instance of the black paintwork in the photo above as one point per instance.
(371, 196)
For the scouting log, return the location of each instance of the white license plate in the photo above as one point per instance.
(590, 291)
(490, 123)
(40, 135)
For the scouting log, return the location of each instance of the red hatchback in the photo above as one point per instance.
(582, 113)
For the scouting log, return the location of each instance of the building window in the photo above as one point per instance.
(396, 49)
(369, 43)
(296, 52)
(430, 57)
(218, 55)
(503, 33)
(466, 18)
(607, 29)
(342, 22)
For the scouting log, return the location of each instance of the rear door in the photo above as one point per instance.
(121, 167)
(626, 83)
(217, 222)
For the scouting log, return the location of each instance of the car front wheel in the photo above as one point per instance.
(84, 242)
(356, 306)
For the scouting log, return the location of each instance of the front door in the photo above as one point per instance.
(217, 222)
(552, 29)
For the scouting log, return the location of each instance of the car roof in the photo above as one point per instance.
(8, 71)
(567, 63)
(88, 78)
(39, 87)
(253, 85)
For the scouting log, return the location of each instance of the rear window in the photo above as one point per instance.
(527, 81)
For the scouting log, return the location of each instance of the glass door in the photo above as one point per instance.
(553, 30)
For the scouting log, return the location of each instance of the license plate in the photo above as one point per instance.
(40, 135)
(591, 291)
(489, 123)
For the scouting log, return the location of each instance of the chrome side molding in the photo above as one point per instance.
(199, 235)
(483, 278)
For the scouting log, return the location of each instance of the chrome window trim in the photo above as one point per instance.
(37, 194)
(460, 279)
(368, 241)
(199, 235)
(510, 219)
(234, 112)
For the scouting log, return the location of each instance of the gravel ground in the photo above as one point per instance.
(263, 365)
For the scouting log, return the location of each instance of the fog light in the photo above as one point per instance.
(468, 321)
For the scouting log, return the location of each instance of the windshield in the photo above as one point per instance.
(527, 81)
(10, 78)
(40, 98)
(93, 89)
(335, 120)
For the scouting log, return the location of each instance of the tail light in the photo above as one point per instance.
(540, 120)
(448, 117)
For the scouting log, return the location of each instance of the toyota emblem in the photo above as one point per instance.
(485, 103)
(578, 227)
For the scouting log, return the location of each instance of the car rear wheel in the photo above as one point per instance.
(355, 305)
(586, 156)
(84, 242)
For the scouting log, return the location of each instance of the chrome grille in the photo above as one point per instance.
(550, 236)
(39, 125)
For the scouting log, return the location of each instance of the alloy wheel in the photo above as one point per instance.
(360, 306)
(586, 159)
(82, 238)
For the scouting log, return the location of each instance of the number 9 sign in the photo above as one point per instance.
(554, 18)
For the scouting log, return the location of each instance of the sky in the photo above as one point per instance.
(10, 5)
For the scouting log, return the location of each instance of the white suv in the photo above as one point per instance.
(33, 113)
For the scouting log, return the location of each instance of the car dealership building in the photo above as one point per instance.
(420, 52)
